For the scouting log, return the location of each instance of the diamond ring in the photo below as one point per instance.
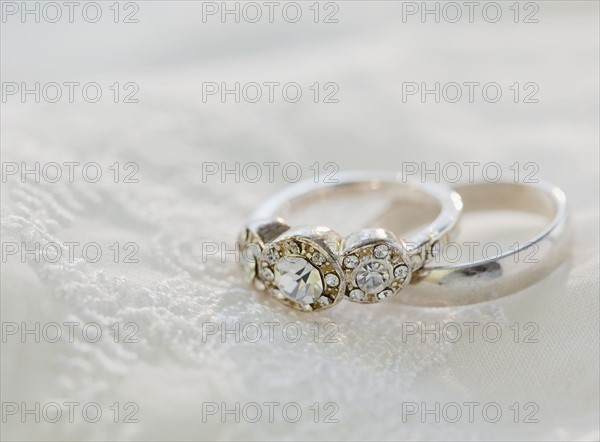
(313, 268)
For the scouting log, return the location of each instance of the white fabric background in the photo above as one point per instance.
(171, 292)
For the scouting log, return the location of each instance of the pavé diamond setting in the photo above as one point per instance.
(306, 273)
(378, 269)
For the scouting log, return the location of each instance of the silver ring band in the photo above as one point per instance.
(487, 279)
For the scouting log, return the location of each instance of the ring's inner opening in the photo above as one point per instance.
(507, 196)
(399, 208)
(498, 218)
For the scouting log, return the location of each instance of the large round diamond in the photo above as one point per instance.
(372, 277)
(298, 279)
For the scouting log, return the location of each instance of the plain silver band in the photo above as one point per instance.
(448, 202)
(485, 280)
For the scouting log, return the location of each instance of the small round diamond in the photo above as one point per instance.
(293, 248)
(267, 274)
(324, 300)
(357, 295)
(372, 277)
(401, 272)
(272, 255)
(332, 280)
(332, 245)
(381, 251)
(384, 294)
(318, 259)
(350, 261)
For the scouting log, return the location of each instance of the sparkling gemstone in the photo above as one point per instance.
(372, 277)
(323, 301)
(272, 255)
(401, 272)
(267, 274)
(318, 259)
(332, 245)
(293, 248)
(385, 294)
(381, 251)
(350, 261)
(332, 280)
(357, 295)
(298, 279)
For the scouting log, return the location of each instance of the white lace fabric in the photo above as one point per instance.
(176, 289)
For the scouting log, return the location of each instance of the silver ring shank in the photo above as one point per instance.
(447, 202)
(484, 280)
